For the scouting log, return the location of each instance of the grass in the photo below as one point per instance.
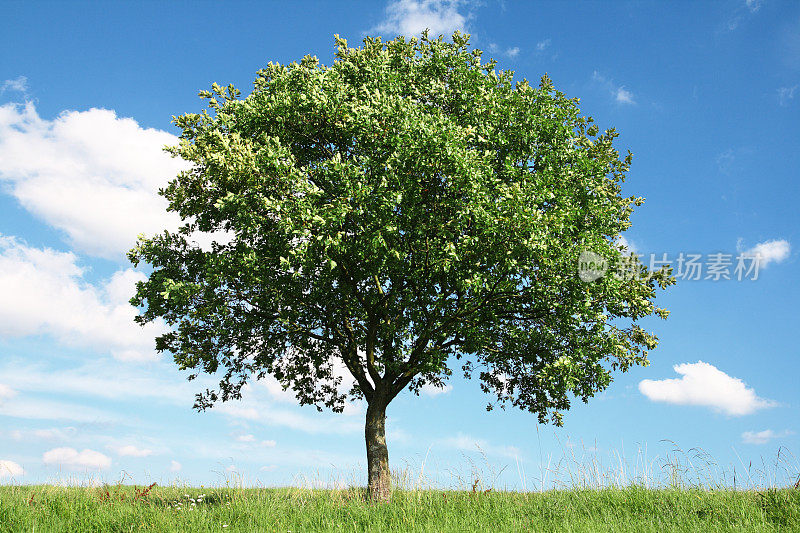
(125, 508)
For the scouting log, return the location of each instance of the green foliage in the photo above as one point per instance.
(781, 507)
(404, 212)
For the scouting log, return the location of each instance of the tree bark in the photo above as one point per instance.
(379, 478)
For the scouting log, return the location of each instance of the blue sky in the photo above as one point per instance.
(705, 95)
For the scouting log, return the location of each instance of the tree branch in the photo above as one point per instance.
(353, 363)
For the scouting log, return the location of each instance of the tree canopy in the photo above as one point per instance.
(404, 213)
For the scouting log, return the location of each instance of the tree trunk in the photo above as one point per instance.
(379, 480)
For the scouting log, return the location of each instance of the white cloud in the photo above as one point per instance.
(772, 251)
(541, 46)
(252, 440)
(753, 5)
(88, 173)
(786, 95)
(19, 84)
(10, 469)
(763, 437)
(412, 17)
(624, 96)
(6, 392)
(431, 390)
(705, 385)
(130, 450)
(509, 52)
(175, 466)
(726, 161)
(43, 291)
(72, 459)
(742, 13)
(620, 94)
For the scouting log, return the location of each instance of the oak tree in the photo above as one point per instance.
(404, 213)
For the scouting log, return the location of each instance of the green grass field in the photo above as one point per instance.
(125, 508)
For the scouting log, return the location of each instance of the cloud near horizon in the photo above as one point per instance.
(10, 469)
(72, 459)
(703, 384)
(763, 437)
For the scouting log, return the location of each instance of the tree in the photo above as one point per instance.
(404, 212)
